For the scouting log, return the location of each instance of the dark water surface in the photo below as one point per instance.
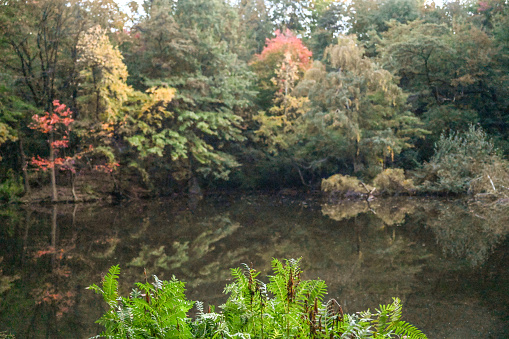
(446, 260)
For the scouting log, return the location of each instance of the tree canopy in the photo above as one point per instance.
(256, 93)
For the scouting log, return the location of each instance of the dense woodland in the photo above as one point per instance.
(173, 95)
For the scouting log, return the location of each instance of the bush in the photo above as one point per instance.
(466, 162)
(392, 181)
(11, 188)
(343, 186)
(285, 307)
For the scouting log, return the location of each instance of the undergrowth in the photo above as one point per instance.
(285, 307)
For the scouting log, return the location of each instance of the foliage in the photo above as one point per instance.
(360, 102)
(407, 69)
(11, 188)
(287, 307)
(278, 126)
(454, 71)
(392, 181)
(103, 77)
(466, 162)
(368, 16)
(285, 47)
(6, 335)
(56, 125)
(156, 310)
(8, 119)
(329, 21)
(284, 43)
(190, 54)
(343, 185)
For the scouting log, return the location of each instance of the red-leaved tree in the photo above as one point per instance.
(57, 126)
(282, 50)
(285, 43)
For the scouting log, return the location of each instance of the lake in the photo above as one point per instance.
(447, 260)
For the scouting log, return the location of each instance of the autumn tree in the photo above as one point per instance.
(103, 77)
(39, 46)
(277, 126)
(184, 55)
(358, 107)
(284, 46)
(56, 126)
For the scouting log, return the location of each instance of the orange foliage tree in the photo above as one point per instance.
(57, 125)
(284, 43)
(285, 47)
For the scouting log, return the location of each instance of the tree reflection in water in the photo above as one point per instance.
(433, 255)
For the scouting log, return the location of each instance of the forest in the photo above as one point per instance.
(160, 97)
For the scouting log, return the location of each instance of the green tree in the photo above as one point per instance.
(255, 26)
(360, 104)
(466, 162)
(329, 20)
(36, 37)
(454, 72)
(278, 125)
(374, 15)
(14, 116)
(189, 46)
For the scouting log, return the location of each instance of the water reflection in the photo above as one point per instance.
(469, 231)
(440, 257)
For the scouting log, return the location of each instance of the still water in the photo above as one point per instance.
(446, 260)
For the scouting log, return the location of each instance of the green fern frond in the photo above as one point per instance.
(109, 286)
(410, 331)
(313, 289)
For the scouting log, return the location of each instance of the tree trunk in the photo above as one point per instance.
(26, 183)
(73, 187)
(54, 194)
(54, 215)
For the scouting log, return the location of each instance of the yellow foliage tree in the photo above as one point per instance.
(104, 75)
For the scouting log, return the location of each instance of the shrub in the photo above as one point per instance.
(392, 181)
(285, 307)
(343, 186)
(466, 162)
(11, 188)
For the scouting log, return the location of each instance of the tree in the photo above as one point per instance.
(277, 126)
(284, 46)
(14, 114)
(358, 104)
(56, 126)
(466, 162)
(454, 73)
(183, 53)
(329, 20)
(288, 14)
(374, 15)
(103, 76)
(37, 43)
(255, 26)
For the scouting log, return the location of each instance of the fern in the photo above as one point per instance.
(286, 307)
